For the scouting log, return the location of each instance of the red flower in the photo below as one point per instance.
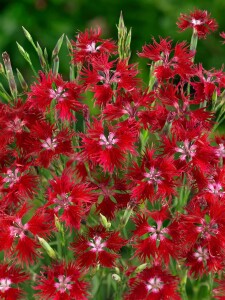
(199, 20)
(49, 88)
(10, 277)
(46, 142)
(89, 44)
(170, 61)
(154, 178)
(18, 238)
(155, 239)
(61, 282)
(153, 284)
(69, 200)
(106, 78)
(201, 261)
(97, 247)
(109, 150)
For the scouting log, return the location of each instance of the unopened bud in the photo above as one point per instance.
(116, 277)
(47, 248)
(140, 268)
(105, 222)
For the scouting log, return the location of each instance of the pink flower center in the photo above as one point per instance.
(16, 125)
(12, 177)
(62, 201)
(92, 48)
(18, 229)
(96, 244)
(108, 142)
(201, 254)
(64, 284)
(59, 94)
(153, 176)
(154, 285)
(187, 151)
(49, 144)
(215, 188)
(5, 284)
(207, 229)
(220, 152)
(158, 233)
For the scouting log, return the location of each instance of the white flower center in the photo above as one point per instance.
(64, 283)
(96, 244)
(108, 142)
(201, 254)
(196, 22)
(5, 284)
(154, 285)
(50, 144)
(92, 48)
(12, 177)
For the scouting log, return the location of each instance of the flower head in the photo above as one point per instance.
(199, 20)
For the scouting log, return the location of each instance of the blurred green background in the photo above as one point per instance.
(46, 20)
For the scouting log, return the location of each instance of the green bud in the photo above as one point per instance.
(47, 248)
(22, 81)
(29, 37)
(57, 46)
(117, 270)
(140, 268)
(69, 45)
(105, 222)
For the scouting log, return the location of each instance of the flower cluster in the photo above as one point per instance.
(104, 179)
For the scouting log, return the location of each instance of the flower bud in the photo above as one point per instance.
(105, 222)
(47, 248)
(116, 277)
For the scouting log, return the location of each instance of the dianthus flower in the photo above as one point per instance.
(89, 45)
(61, 282)
(153, 284)
(69, 200)
(108, 148)
(10, 277)
(199, 20)
(98, 247)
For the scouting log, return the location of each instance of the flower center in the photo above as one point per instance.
(154, 285)
(207, 229)
(158, 232)
(215, 188)
(18, 229)
(108, 142)
(92, 48)
(62, 201)
(64, 283)
(187, 151)
(16, 125)
(196, 22)
(220, 152)
(5, 284)
(49, 144)
(59, 94)
(201, 254)
(96, 244)
(12, 177)
(153, 176)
